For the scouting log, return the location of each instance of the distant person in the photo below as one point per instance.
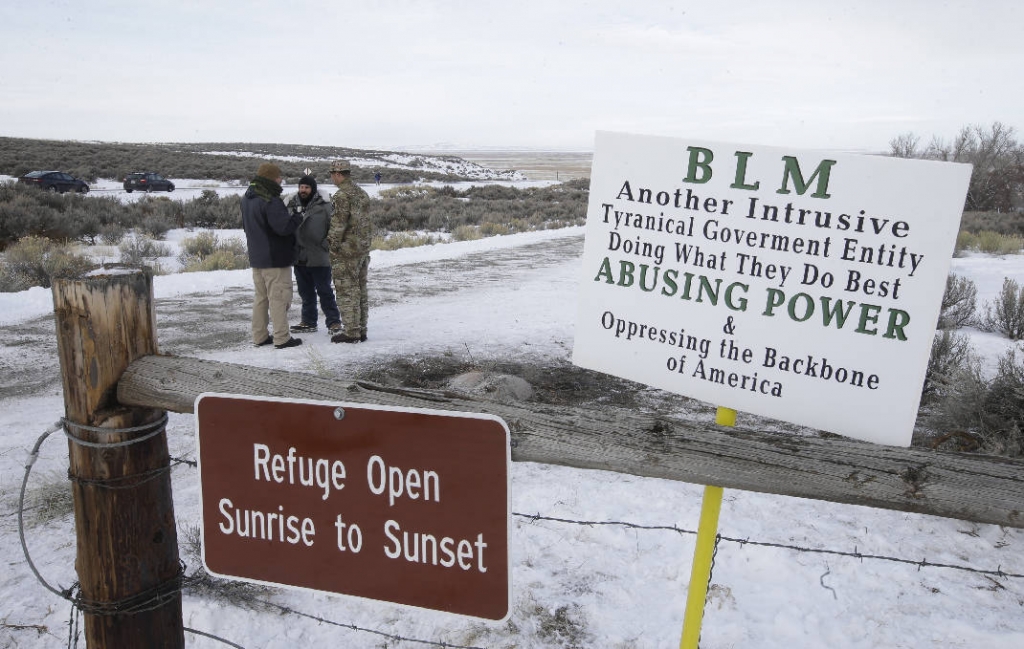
(313, 265)
(376, 177)
(350, 237)
(269, 235)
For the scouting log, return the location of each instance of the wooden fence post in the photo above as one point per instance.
(127, 561)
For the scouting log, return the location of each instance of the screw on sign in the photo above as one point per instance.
(399, 505)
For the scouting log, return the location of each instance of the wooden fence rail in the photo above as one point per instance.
(984, 489)
(117, 389)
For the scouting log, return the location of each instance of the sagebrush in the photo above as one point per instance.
(205, 252)
(1005, 313)
(971, 413)
(959, 303)
(37, 261)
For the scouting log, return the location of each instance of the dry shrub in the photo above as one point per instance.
(204, 252)
(950, 353)
(1005, 313)
(998, 244)
(493, 229)
(466, 233)
(37, 261)
(959, 303)
(982, 416)
(219, 260)
(139, 250)
(400, 240)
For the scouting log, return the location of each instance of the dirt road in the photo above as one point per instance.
(201, 323)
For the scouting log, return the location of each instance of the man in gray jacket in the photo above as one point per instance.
(313, 268)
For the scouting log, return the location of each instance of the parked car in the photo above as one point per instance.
(54, 181)
(147, 181)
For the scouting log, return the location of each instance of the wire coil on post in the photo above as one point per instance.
(154, 428)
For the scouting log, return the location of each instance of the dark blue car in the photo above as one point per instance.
(54, 181)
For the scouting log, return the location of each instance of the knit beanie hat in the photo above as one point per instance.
(308, 180)
(269, 170)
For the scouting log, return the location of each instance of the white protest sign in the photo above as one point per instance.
(794, 284)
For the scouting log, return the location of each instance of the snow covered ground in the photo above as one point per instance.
(574, 584)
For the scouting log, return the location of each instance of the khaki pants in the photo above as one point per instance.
(271, 302)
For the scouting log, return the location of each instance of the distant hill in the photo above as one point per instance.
(230, 161)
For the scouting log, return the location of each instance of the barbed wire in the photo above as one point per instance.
(923, 563)
(150, 599)
(165, 592)
(32, 457)
(74, 634)
(214, 637)
(353, 627)
(161, 594)
(821, 580)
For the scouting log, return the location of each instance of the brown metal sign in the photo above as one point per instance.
(400, 505)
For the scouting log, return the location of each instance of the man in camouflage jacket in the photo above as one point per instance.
(350, 237)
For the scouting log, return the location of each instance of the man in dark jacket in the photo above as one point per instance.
(313, 268)
(269, 235)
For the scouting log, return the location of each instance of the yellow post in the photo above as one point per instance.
(704, 551)
(725, 417)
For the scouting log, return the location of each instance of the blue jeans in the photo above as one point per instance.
(313, 281)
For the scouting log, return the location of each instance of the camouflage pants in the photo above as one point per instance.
(350, 288)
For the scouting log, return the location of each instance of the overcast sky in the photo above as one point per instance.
(540, 74)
